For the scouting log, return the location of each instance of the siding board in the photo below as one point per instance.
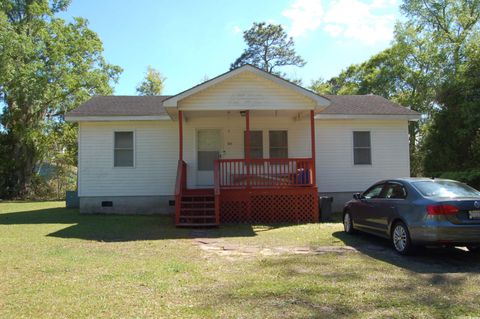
(335, 169)
(156, 152)
(155, 159)
(246, 91)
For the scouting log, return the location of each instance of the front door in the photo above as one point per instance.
(209, 148)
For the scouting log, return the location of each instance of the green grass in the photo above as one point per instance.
(55, 263)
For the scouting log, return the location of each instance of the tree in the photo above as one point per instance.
(47, 67)
(448, 24)
(429, 50)
(452, 142)
(152, 84)
(389, 74)
(268, 47)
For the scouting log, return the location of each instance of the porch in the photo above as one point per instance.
(247, 190)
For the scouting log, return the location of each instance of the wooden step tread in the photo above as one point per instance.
(197, 217)
(201, 209)
(198, 202)
(197, 225)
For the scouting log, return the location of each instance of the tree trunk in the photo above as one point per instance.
(25, 161)
(414, 160)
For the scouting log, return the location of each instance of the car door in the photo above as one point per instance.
(366, 208)
(394, 195)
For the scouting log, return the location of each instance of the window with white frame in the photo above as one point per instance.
(278, 142)
(362, 148)
(123, 153)
(256, 144)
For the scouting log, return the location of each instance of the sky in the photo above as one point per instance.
(188, 41)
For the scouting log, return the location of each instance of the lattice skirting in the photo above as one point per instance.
(298, 205)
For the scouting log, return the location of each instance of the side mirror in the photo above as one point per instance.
(358, 196)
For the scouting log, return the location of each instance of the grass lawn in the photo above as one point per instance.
(55, 263)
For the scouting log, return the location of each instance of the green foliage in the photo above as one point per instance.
(47, 67)
(430, 51)
(453, 139)
(470, 177)
(152, 84)
(448, 25)
(268, 47)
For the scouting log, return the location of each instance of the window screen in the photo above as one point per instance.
(123, 149)
(362, 152)
(278, 144)
(256, 144)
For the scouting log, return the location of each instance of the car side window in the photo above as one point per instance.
(374, 192)
(395, 191)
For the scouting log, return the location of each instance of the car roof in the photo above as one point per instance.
(417, 179)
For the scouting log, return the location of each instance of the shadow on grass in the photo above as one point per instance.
(314, 284)
(293, 287)
(423, 260)
(117, 228)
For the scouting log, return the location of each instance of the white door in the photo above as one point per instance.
(209, 148)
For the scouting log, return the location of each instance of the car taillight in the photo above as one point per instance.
(444, 209)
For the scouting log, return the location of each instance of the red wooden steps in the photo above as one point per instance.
(197, 208)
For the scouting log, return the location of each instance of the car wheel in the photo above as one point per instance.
(474, 249)
(348, 223)
(401, 239)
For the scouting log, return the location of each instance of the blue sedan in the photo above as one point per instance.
(417, 211)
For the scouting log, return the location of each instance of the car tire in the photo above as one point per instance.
(348, 223)
(474, 249)
(401, 239)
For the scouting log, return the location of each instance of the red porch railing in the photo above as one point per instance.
(180, 186)
(264, 173)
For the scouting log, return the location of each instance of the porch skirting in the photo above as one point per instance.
(231, 206)
(139, 205)
(297, 205)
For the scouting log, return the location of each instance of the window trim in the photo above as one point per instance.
(133, 149)
(270, 145)
(361, 147)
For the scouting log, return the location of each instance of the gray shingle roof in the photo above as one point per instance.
(152, 105)
(364, 105)
(121, 106)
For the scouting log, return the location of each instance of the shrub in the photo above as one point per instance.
(470, 177)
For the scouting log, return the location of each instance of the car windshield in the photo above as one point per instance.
(447, 189)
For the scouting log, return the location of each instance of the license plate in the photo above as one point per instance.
(474, 214)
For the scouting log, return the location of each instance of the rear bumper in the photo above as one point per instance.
(445, 233)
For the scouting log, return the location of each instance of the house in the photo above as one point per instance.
(246, 146)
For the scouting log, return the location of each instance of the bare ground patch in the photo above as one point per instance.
(218, 247)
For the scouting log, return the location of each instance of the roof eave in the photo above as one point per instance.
(112, 118)
(407, 117)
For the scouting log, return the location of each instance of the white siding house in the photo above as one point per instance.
(218, 108)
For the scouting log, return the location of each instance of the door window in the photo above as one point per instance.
(209, 146)
(374, 192)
